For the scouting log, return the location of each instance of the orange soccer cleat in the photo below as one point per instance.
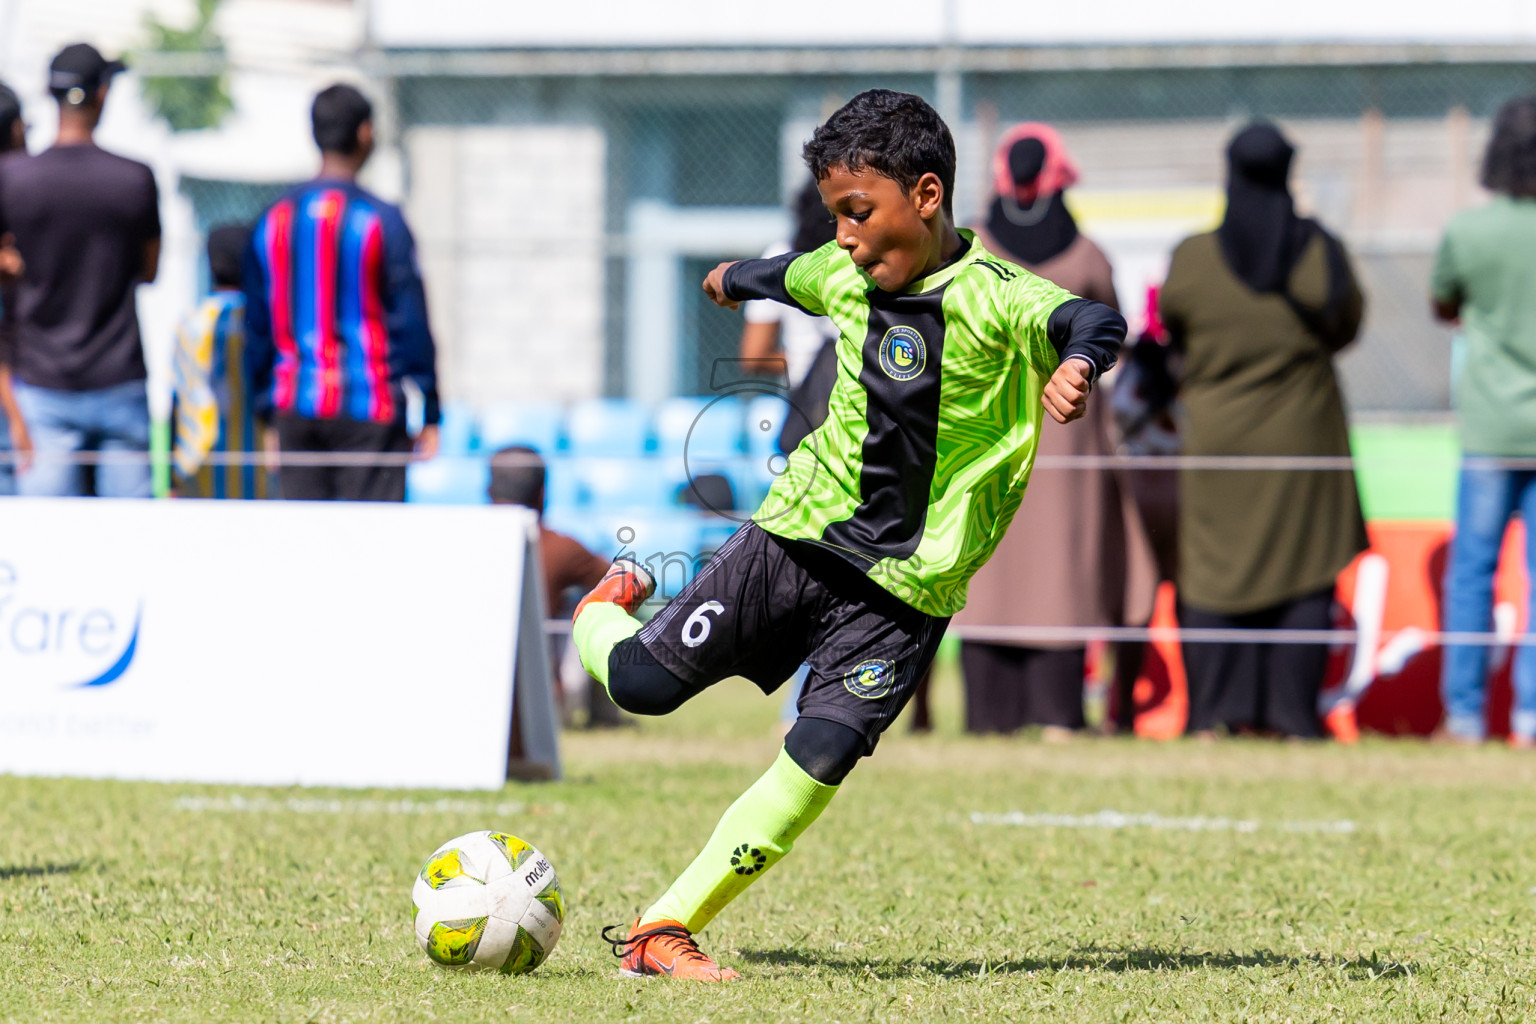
(1341, 723)
(664, 948)
(627, 584)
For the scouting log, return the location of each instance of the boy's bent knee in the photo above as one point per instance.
(641, 685)
(824, 750)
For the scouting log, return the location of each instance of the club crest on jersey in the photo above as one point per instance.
(870, 679)
(902, 353)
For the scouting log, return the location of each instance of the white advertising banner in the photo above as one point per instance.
(264, 642)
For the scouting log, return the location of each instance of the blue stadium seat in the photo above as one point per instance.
(677, 475)
(715, 531)
(753, 475)
(705, 428)
(664, 541)
(534, 424)
(608, 427)
(674, 419)
(456, 432)
(612, 484)
(765, 418)
(580, 523)
(448, 480)
(562, 484)
(674, 533)
(670, 545)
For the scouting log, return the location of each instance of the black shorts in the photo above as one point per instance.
(763, 606)
(342, 483)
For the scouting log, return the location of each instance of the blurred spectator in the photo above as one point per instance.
(13, 429)
(336, 320)
(806, 344)
(1259, 308)
(518, 477)
(211, 407)
(1097, 569)
(87, 226)
(1485, 276)
(1143, 398)
(13, 129)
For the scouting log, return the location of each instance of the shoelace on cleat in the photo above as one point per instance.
(621, 946)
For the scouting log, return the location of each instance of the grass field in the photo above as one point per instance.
(1389, 882)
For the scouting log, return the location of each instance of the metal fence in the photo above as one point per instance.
(566, 205)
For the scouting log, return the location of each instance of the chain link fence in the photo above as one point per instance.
(564, 220)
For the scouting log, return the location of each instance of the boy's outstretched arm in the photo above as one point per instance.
(714, 287)
(731, 284)
(1087, 336)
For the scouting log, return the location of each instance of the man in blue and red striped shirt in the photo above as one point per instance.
(336, 319)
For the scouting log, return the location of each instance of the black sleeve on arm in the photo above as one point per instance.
(761, 279)
(412, 351)
(1082, 327)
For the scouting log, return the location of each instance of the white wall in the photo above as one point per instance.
(509, 224)
(625, 23)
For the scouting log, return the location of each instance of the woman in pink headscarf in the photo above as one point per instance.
(1088, 516)
(1028, 221)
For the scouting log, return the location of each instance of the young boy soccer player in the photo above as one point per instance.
(864, 545)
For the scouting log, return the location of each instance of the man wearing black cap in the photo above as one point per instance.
(87, 226)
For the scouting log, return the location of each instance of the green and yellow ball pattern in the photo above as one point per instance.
(487, 901)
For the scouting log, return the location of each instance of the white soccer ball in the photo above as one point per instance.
(488, 901)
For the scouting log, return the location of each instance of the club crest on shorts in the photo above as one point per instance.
(870, 679)
(902, 353)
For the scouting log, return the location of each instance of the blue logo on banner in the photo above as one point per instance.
(50, 638)
(118, 667)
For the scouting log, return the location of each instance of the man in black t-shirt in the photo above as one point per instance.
(87, 226)
(14, 440)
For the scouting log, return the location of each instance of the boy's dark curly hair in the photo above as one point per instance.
(895, 134)
(1509, 164)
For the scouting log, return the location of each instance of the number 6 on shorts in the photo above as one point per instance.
(696, 628)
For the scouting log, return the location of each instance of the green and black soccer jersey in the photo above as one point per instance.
(933, 423)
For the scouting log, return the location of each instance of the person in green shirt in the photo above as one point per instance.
(1485, 276)
(948, 357)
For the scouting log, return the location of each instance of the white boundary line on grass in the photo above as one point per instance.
(323, 805)
(1119, 819)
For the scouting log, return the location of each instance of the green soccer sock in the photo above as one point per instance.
(754, 835)
(600, 628)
